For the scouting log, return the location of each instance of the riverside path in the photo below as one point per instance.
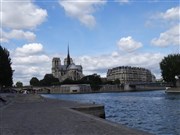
(35, 115)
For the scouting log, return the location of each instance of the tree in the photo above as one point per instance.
(170, 67)
(48, 80)
(19, 84)
(6, 71)
(68, 81)
(94, 80)
(34, 81)
(117, 81)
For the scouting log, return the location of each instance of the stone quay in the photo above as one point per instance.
(31, 114)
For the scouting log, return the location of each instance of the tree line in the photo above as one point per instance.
(50, 80)
(95, 81)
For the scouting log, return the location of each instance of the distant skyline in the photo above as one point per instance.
(101, 34)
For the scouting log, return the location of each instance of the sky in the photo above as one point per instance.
(101, 34)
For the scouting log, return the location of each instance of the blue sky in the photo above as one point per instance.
(101, 34)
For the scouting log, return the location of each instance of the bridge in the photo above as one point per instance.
(143, 86)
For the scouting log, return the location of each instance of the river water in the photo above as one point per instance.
(153, 111)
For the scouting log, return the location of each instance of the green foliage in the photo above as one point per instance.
(6, 72)
(117, 81)
(108, 82)
(94, 80)
(170, 67)
(68, 81)
(48, 80)
(19, 84)
(34, 81)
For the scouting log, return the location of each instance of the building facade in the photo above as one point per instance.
(128, 74)
(67, 71)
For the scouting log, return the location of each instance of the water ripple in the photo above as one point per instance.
(154, 112)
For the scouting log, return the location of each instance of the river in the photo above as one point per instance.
(153, 111)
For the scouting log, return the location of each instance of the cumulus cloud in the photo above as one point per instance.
(114, 54)
(30, 60)
(18, 19)
(28, 49)
(100, 64)
(128, 44)
(170, 14)
(17, 34)
(82, 10)
(168, 18)
(167, 38)
(21, 15)
(3, 36)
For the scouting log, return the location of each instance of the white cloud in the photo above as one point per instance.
(3, 40)
(29, 61)
(165, 19)
(82, 10)
(170, 14)
(100, 64)
(114, 54)
(122, 1)
(3, 36)
(18, 19)
(17, 34)
(29, 49)
(128, 44)
(38, 63)
(168, 38)
(21, 15)
(20, 34)
(169, 20)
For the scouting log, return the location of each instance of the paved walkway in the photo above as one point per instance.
(34, 115)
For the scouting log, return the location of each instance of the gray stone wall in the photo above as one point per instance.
(178, 83)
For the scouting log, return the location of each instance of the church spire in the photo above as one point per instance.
(68, 57)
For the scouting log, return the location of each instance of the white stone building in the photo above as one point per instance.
(128, 74)
(67, 71)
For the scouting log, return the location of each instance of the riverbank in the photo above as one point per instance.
(85, 88)
(33, 114)
(175, 90)
(147, 111)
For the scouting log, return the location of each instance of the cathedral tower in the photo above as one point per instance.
(56, 62)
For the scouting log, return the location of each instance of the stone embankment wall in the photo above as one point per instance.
(146, 87)
(111, 88)
(95, 110)
(178, 83)
(59, 89)
(68, 89)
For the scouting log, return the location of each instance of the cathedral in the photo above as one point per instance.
(67, 71)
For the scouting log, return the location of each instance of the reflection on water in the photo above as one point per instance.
(155, 112)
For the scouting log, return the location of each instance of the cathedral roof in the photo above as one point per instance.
(73, 67)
